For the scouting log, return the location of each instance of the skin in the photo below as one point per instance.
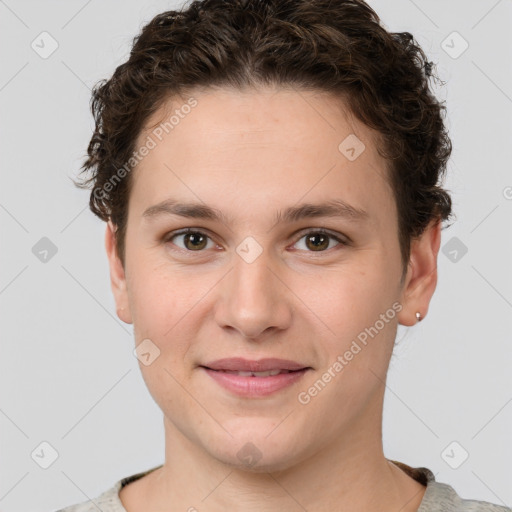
(250, 154)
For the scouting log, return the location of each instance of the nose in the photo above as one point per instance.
(254, 299)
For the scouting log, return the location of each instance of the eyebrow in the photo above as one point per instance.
(332, 208)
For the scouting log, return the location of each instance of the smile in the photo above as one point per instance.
(249, 384)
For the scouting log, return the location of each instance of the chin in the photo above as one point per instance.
(252, 460)
(257, 449)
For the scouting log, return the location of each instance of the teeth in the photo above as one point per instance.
(256, 374)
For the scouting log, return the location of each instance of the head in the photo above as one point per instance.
(250, 110)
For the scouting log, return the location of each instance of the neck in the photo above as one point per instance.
(352, 474)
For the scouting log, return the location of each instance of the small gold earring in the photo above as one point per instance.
(418, 316)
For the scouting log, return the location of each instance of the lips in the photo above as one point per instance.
(268, 373)
(255, 379)
(261, 367)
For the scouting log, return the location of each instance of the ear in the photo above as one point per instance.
(421, 279)
(117, 276)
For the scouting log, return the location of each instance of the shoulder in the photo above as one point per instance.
(107, 501)
(442, 497)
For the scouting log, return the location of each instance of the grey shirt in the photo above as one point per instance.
(438, 497)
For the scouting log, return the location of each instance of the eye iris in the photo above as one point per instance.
(316, 241)
(321, 245)
(195, 238)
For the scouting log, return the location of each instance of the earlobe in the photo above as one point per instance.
(117, 275)
(421, 280)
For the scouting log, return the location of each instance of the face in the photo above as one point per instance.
(261, 275)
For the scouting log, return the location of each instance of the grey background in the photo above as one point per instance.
(68, 374)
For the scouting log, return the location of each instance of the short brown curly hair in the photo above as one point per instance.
(334, 46)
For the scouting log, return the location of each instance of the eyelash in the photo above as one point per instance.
(319, 231)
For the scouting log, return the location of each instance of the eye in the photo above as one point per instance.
(320, 241)
(193, 240)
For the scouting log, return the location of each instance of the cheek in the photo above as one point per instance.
(360, 309)
(349, 299)
(157, 299)
(168, 305)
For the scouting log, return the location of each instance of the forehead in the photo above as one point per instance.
(282, 117)
(266, 145)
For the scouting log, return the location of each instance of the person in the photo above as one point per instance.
(270, 172)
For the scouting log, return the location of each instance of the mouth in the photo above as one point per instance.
(268, 373)
(260, 366)
(253, 379)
